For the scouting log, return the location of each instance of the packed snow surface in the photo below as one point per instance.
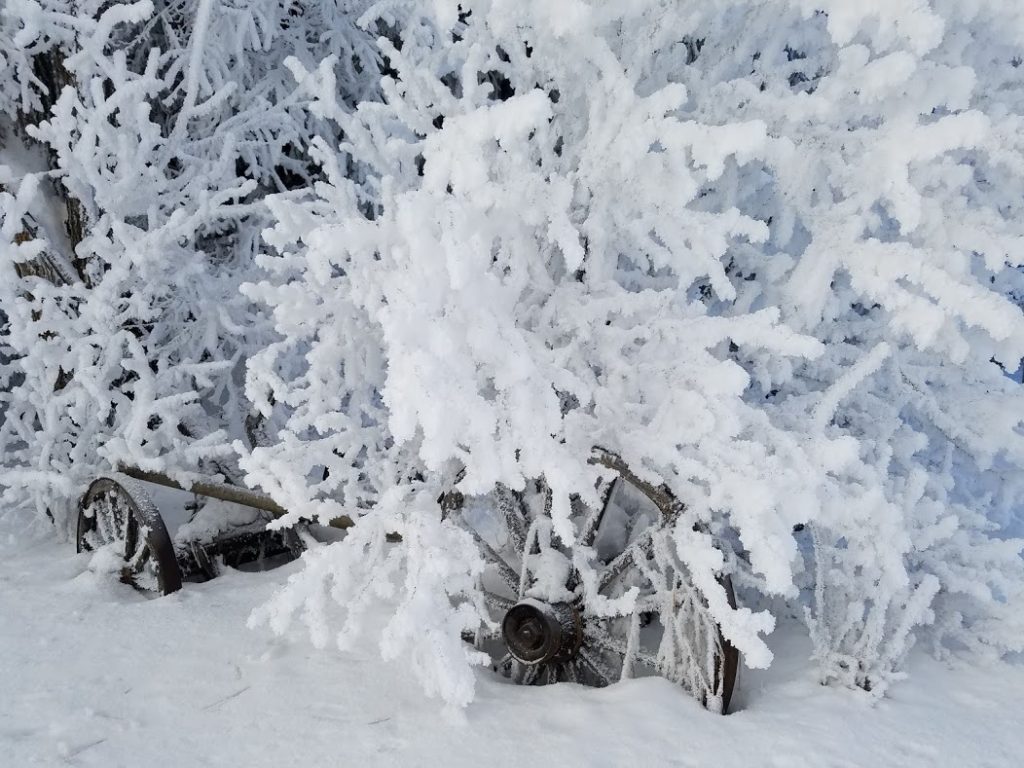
(96, 674)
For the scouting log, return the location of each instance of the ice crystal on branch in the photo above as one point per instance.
(162, 127)
(764, 252)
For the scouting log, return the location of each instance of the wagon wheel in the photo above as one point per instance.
(552, 629)
(128, 525)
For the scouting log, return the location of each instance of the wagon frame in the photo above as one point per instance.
(533, 638)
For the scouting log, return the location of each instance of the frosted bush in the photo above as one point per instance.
(134, 169)
(760, 250)
(766, 252)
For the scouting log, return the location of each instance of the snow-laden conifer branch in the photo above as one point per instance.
(761, 253)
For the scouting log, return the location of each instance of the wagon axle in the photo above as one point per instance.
(537, 632)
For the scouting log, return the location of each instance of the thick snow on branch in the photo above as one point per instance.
(768, 253)
(166, 124)
(762, 252)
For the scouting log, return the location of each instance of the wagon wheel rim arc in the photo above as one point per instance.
(603, 653)
(109, 513)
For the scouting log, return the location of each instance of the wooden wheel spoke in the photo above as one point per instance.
(91, 541)
(508, 575)
(593, 521)
(696, 664)
(510, 507)
(141, 557)
(102, 514)
(111, 519)
(530, 674)
(603, 641)
(624, 560)
(499, 603)
(597, 668)
(121, 521)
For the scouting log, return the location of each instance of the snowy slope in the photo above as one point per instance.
(94, 674)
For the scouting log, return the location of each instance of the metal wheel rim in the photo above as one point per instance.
(141, 531)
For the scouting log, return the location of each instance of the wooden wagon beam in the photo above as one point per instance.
(223, 492)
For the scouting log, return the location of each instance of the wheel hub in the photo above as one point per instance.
(537, 632)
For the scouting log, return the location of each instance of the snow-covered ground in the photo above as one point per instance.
(93, 673)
